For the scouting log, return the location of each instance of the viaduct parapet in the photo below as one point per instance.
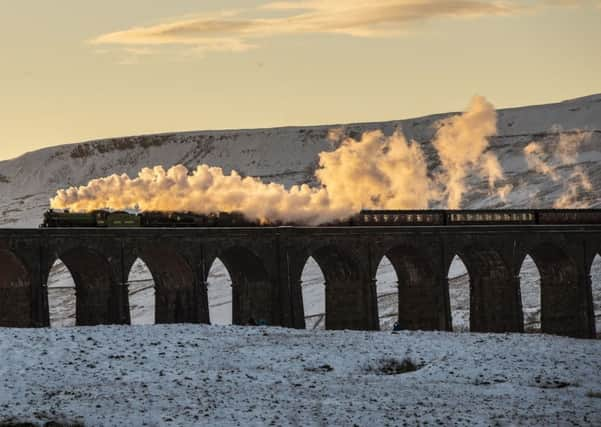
(266, 264)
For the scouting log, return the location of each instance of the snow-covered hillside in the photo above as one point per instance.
(289, 156)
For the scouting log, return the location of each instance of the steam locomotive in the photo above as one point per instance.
(104, 218)
(367, 218)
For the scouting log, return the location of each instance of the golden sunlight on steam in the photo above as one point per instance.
(374, 172)
(461, 143)
(550, 163)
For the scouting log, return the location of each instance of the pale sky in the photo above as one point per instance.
(75, 70)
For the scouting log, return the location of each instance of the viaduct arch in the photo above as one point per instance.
(252, 290)
(266, 264)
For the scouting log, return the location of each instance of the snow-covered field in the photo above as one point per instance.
(254, 376)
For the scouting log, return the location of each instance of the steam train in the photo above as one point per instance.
(104, 218)
(367, 218)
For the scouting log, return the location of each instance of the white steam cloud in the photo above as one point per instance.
(558, 164)
(376, 171)
(461, 143)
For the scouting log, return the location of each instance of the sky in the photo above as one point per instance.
(72, 71)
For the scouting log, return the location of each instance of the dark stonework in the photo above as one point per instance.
(15, 292)
(266, 265)
(422, 286)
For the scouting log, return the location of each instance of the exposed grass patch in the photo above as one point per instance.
(42, 420)
(551, 383)
(322, 368)
(393, 366)
(10, 423)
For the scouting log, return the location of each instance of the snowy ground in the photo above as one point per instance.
(226, 375)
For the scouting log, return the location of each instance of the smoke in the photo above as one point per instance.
(557, 162)
(461, 143)
(536, 158)
(577, 184)
(375, 171)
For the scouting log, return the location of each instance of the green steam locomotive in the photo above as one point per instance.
(120, 219)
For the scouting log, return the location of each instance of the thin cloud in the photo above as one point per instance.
(234, 31)
(350, 17)
(188, 32)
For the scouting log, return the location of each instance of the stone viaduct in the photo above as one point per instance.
(266, 264)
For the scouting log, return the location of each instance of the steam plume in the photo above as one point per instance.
(461, 143)
(554, 163)
(376, 171)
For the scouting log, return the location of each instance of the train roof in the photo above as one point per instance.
(494, 210)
